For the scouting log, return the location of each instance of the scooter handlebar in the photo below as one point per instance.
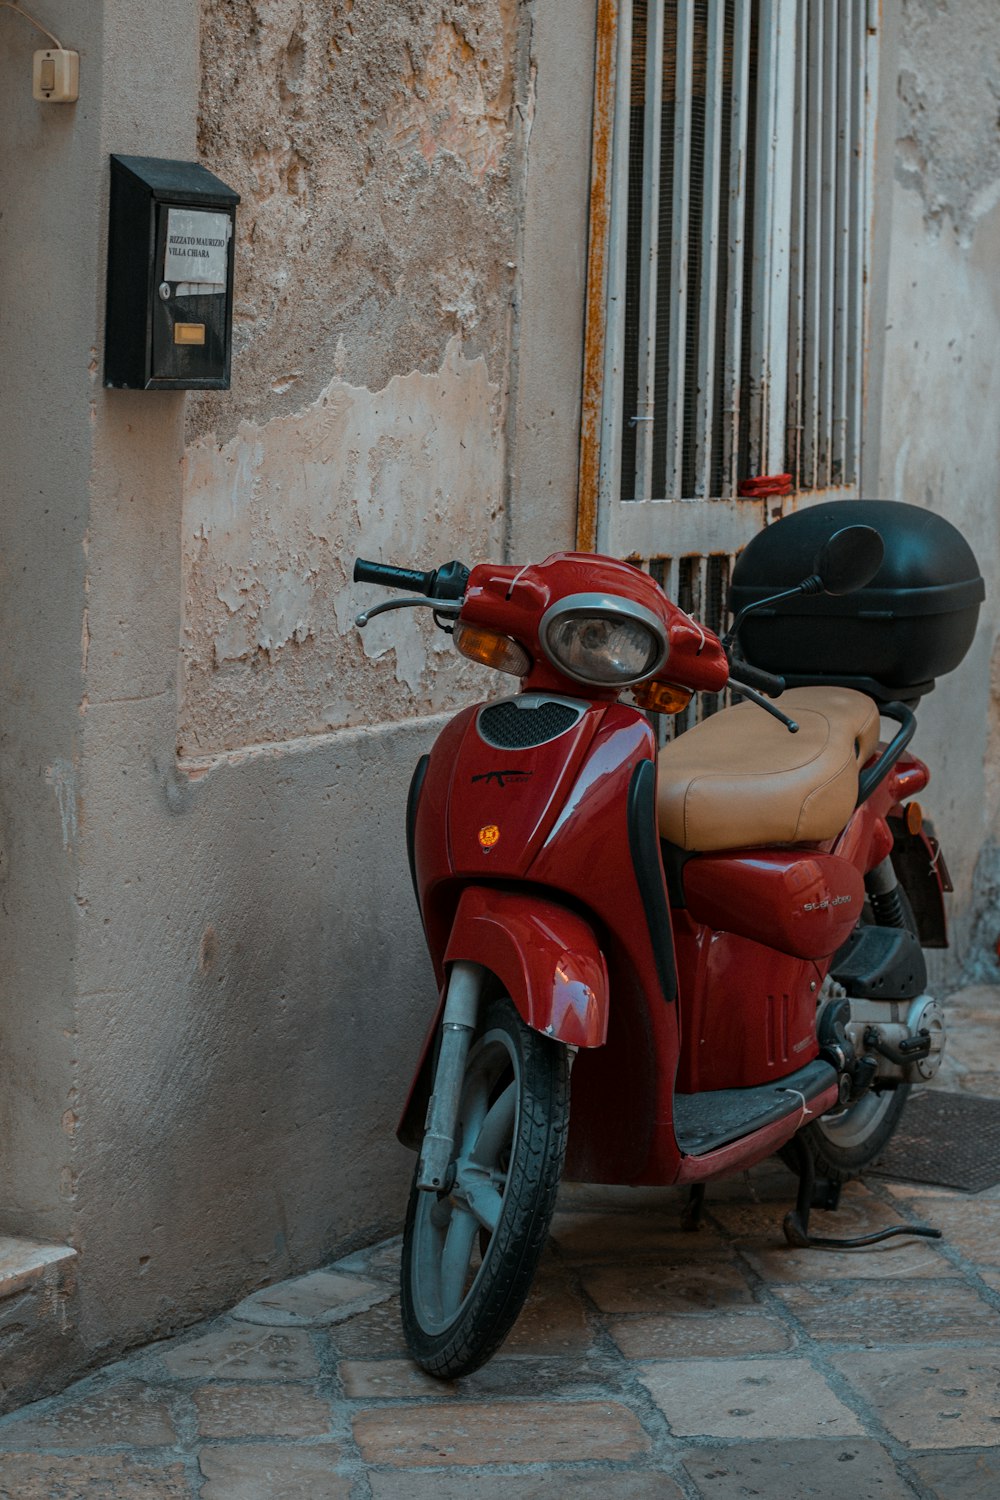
(446, 583)
(756, 677)
(394, 578)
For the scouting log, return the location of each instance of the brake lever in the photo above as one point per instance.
(765, 703)
(451, 607)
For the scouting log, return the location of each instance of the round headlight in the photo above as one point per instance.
(604, 640)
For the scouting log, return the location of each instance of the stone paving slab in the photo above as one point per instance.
(743, 1398)
(554, 1321)
(626, 1236)
(39, 1476)
(842, 1469)
(973, 1474)
(499, 1433)
(553, 1484)
(262, 1471)
(674, 1284)
(970, 1225)
(917, 1312)
(648, 1364)
(127, 1413)
(308, 1301)
(713, 1335)
(930, 1398)
(233, 1411)
(245, 1355)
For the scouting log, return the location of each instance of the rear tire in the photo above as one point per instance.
(843, 1145)
(469, 1255)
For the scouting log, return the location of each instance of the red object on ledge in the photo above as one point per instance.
(761, 485)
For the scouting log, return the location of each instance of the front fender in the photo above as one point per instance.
(548, 961)
(545, 956)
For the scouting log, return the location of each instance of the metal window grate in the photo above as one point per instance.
(825, 349)
(741, 330)
(700, 585)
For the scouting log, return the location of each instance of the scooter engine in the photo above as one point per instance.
(879, 1044)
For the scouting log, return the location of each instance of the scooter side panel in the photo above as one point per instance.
(749, 1013)
(804, 904)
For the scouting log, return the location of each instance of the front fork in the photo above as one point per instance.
(458, 1024)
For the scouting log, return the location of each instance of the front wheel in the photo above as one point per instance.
(469, 1254)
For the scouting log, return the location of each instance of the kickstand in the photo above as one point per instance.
(691, 1217)
(796, 1221)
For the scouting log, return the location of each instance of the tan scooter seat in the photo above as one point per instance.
(740, 778)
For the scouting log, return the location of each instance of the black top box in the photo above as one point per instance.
(911, 624)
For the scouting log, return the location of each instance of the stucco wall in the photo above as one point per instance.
(238, 1097)
(214, 979)
(940, 437)
(47, 344)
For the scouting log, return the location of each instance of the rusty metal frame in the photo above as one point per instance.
(595, 335)
(769, 336)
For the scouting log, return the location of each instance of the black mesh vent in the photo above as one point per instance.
(511, 728)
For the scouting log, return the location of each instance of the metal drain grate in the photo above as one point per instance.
(951, 1140)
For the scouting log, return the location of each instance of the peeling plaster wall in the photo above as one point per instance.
(273, 520)
(376, 152)
(214, 979)
(940, 436)
(373, 144)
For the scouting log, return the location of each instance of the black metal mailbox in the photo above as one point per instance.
(171, 242)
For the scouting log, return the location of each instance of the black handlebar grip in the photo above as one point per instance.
(756, 677)
(394, 578)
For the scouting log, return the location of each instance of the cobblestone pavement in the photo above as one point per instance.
(648, 1363)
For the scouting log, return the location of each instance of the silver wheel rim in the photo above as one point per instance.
(854, 1128)
(449, 1249)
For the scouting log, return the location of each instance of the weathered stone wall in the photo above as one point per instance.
(940, 436)
(377, 154)
(214, 977)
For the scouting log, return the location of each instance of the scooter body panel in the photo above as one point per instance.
(748, 1012)
(803, 904)
(525, 856)
(569, 827)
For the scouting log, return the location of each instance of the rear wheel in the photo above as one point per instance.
(469, 1254)
(843, 1145)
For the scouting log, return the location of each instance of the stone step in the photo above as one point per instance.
(25, 1262)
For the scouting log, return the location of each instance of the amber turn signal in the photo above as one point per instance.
(914, 817)
(661, 697)
(491, 649)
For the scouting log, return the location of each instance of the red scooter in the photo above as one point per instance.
(712, 938)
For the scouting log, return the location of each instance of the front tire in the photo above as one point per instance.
(469, 1255)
